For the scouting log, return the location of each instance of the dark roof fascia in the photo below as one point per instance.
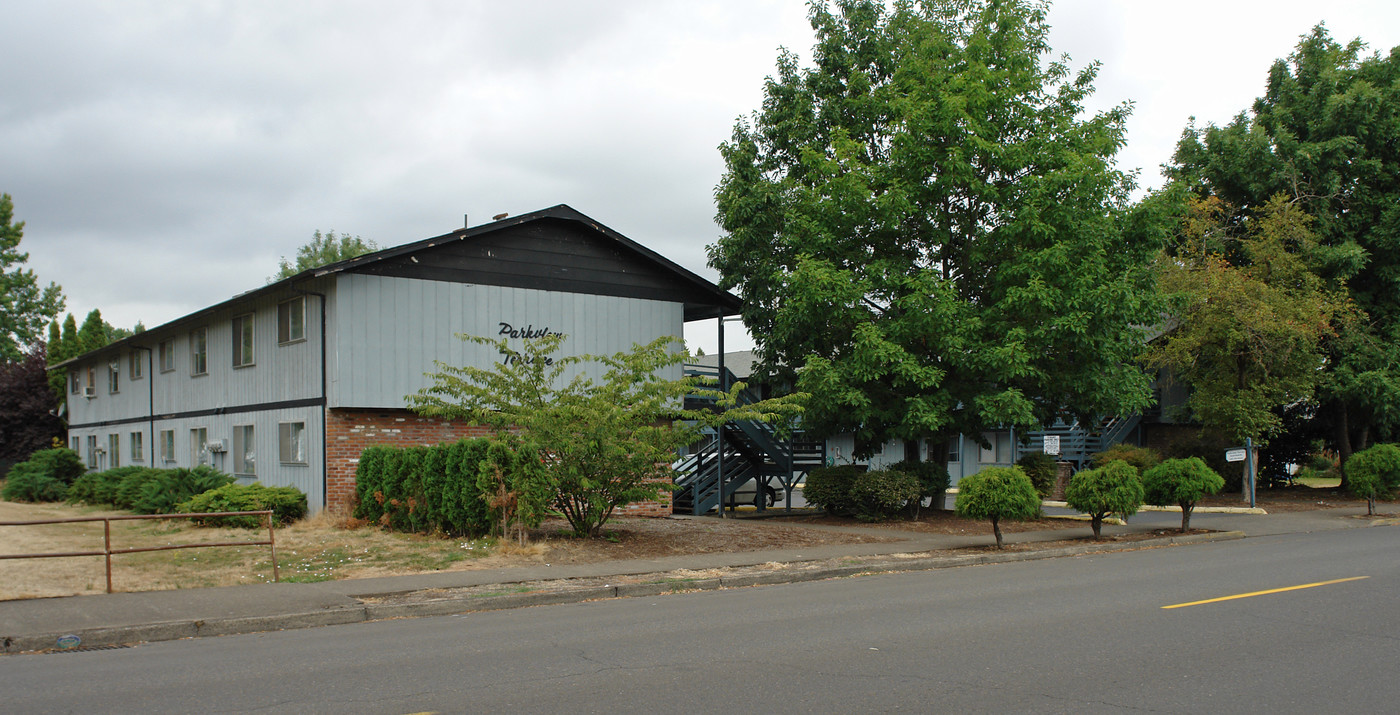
(728, 302)
(723, 300)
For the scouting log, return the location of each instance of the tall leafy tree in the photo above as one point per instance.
(25, 306)
(927, 220)
(1326, 134)
(1249, 334)
(323, 249)
(28, 420)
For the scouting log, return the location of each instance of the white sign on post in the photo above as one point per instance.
(1235, 455)
(1052, 444)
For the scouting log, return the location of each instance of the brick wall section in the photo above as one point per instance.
(349, 432)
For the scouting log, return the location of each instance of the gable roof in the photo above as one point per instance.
(557, 248)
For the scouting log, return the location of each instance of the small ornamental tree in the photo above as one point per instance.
(1112, 488)
(1374, 472)
(608, 442)
(1182, 482)
(997, 493)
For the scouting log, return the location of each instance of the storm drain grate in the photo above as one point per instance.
(86, 648)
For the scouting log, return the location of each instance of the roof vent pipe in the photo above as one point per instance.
(466, 221)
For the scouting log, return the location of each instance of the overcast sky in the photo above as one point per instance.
(165, 154)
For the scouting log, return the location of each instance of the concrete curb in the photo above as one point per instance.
(106, 637)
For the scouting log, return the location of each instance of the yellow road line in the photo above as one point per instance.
(1264, 593)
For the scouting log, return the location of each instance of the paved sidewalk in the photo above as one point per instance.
(111, 619)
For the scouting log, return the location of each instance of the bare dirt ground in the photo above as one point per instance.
(1294, 498)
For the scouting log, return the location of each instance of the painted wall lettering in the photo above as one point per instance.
(528, 332)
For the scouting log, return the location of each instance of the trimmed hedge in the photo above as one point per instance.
(1041, 469)
(880, 495)
(287, 504)
(425, 489)
(830, 488)
(145, 490)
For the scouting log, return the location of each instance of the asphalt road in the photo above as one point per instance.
(1086, 634)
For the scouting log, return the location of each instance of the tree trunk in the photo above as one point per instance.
(1096, 523)
(1342, 435)
(996, 529)
(1186, 508)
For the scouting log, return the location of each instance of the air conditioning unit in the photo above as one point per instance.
(90, 392)
(217, 445)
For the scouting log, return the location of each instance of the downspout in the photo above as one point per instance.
(325, 463)
(151, 397)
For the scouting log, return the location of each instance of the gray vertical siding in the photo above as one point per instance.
(390, 330)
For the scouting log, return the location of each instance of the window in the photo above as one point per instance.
(167, 445)
(199, 356)
(114, 451)
(291, 321)
(76, 444)
(134, 358)
(91, 390)
(955, 449)
(167, 355)
(114, 376)
(199, 438)
(92, 451)
(244, 456)
(987, 454)
(138, 448)
(75, 383)
(243, 340)
(291, 442)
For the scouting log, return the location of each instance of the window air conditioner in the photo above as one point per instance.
(217, 445)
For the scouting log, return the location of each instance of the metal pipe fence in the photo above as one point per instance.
(107, 551)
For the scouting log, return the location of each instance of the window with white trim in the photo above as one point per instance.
(114, 376)
(291, 442)
(243, 340)
(244, 452)
(167, 445)
(199, 351)
(167, 355)
(138, 447)
(291, 320)
(92, 451)
(134, 359)
(114, 451)
(199, 440)
(75, 383)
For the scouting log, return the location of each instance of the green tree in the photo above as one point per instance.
(1181, 482)
(1249, 330)
(997, 493)
(1326, 134)
(1111, 489)
(611, 441)
(1374, 472)
(324, 248)
(25, 307)
(927, 220)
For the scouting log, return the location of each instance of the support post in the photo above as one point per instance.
(719, 433)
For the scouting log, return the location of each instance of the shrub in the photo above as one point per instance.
(45, 476)
(99, 487)
(1112, 488)
(1042, 470)
(425, 489)
(830, 488)
(1322, 463)
(1374, 473)
(287, 504)
(28, 483)
(165, 489)
(933, 481)
(879, 495)
(1182, 482)
(1142, 458)
(997, 493)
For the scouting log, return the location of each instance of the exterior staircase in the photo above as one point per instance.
(754, 453)
(1079, 442)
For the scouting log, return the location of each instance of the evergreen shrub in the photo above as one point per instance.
(1374, 473)
(1041, 469)
(830, 488)
(933, 478)
(45, 476)
(880, 495)
(424, 489)
(99, 487)
(997, 494)
(287, 504)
